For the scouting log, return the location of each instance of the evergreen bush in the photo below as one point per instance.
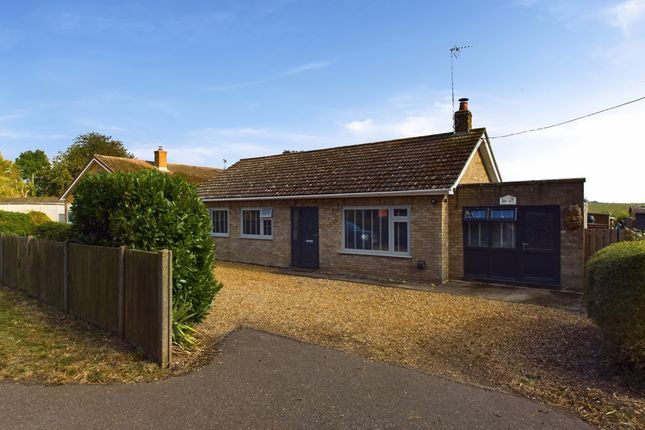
(150, 210)
(616, 297)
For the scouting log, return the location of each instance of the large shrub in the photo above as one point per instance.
(616, 297)
(15, 223)
(22, 224)
(51, 230)
(150, 210)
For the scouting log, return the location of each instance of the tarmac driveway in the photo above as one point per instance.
(261, 380)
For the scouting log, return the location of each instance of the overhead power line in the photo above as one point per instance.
(570, 120)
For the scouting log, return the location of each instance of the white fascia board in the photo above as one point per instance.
(78, 178)
(409, 193)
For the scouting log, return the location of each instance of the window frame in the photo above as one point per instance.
(391, 220)
(488, 223)
(260, 236)
(228, 222)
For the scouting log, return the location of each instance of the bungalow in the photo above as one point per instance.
(109, 164)
(420, 209)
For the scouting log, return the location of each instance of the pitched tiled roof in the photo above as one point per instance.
(419, 163)
(194, 174)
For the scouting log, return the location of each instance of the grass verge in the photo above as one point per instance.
(41, 345)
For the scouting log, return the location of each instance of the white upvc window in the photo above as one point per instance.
(376, 230)
(219, 222)
(256, 223)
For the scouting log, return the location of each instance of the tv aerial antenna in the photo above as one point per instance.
(454, 53)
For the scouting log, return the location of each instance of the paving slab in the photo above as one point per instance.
(263, 381)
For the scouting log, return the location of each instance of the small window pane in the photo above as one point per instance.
(475, 214)
(400, 212)
(400, 237)
(266, 212)
(220, 221)
(251, 222)
(508, 214)
(502, 235)
(476, 235)
(267, 226)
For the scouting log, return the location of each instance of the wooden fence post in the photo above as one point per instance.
(165, 302)
(66, 277)
(121, 292)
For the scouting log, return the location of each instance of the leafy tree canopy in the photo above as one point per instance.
(11, 184)
(69, 164)
(83, 149)
(34, 169)
(32, 163)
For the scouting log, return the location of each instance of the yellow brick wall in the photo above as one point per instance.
(476, 171)
(429, 229)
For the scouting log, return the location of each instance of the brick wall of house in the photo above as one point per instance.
(563, 193)
(476, 172)
(428, 226)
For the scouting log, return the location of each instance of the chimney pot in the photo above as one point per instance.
(161, 159)
(463, 117)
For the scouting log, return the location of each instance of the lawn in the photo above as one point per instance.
(551, 355)
(616, 209)
(42, 345)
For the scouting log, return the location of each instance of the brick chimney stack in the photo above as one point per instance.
(463, 117)
(161, 159)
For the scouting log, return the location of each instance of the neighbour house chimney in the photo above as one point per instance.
(161, 159)
(463, 117)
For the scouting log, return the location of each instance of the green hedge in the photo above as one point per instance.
(150, 210)
(22, 224)
(616, 297)
(51, 230)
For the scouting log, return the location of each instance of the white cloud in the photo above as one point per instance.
(307, 67)
(626, 14)
(360, 126)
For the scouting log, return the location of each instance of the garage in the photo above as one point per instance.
(512, 244)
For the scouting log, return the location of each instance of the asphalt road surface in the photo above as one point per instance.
(263, 381)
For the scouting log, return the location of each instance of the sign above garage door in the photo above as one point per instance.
(508, 200)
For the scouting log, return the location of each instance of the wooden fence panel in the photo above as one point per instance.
(93, 285)
(11, 264)
(47, 272)
(596, 239)
(147, 300)
(124, 291)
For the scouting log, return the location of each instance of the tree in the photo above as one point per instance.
(69, 164)
(34, 168)
(11, 184)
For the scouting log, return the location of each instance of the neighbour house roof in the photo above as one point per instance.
(193, 174)
(29, 200)
(416, 165)
(637, 210)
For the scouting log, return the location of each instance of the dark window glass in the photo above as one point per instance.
(477, 234)
(502, 235)
(400, 237)
(400, 212)
(475, 214)
(506, 214)
(251, 222)
(539, 230)
(220, 221)
(267, 226)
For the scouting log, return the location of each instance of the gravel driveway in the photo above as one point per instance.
(548, 354)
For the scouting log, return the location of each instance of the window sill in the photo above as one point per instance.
(220, 235)
(256, 237)
(372, 254)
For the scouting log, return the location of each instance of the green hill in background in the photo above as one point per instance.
(616, 209)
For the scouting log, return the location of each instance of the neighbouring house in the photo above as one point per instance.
(421, 209)
(50, 206)
(106, 163)
(600, 220)
(637, 216)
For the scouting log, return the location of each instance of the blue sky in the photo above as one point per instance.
(218, 80)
